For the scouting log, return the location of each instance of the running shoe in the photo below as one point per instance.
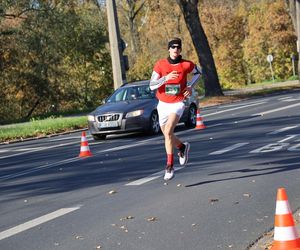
(169, 173)
(184, 154)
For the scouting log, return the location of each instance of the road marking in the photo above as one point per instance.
(68, 138)
(235, 146)
(284, 98)
(35, 222)
(133, 145)
(30, 149)
(288, 138)
(36, 150)
(149, 178)
(240, 107)
(282, 130)
(278, 109)
(39, 168)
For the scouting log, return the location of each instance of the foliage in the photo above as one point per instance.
(269, 32)
(54, 55)
(54, 61)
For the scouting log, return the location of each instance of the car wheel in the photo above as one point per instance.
(154, 127)
(192, 117)
(99, 137)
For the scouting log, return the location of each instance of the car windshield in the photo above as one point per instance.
(131, 93)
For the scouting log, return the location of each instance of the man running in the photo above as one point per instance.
(169, 77)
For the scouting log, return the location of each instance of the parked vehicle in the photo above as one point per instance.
(132, 107)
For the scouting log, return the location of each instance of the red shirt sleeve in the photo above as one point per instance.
(191, 67)
(157, 68)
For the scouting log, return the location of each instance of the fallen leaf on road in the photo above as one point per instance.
(124, 228)
(151, 219)
(129, 217)
(79, 237)
(112, 192)
(247, 195)
(213, 200)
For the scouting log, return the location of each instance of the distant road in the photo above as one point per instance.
(117, 199)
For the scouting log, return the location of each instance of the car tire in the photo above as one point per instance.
(192, 117)
(99, 137)
(154, 127)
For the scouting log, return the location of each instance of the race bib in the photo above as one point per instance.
(172, 89)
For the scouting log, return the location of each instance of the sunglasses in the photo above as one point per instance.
(174, 47)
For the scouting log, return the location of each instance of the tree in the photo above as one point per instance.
(292, 6)
(130, 10)
(225, 24)
(190, 12)
(271, 35)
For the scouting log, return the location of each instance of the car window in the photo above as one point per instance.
(132, 93)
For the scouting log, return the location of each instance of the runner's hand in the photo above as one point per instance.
(172, 75)
(187, 92)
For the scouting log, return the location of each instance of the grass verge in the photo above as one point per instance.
(41, 128)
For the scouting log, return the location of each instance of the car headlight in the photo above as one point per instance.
(134, 113)
(91, 118)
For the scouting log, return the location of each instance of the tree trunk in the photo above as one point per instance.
(294, 9)
(190, 12)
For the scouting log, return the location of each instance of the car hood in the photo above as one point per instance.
(124, 107)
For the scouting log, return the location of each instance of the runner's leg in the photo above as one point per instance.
(168, 130)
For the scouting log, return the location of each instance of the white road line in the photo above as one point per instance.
(30, 149)
(39, 168)
(149, 178)
(240, 107)
(55, 164)
(36, 150)
(132, 145)
(282, 130)
(278, 109)
(35, 222)
(67, 138)
(121, 147)
(289, 100)
(284, 98)
(235, 146)
(288, 137)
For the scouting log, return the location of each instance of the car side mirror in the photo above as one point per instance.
(104, 101)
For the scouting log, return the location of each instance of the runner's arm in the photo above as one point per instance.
(197, 71)
(156, 82)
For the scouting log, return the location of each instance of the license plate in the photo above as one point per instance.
(110, 124)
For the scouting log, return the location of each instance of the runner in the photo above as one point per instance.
(169, 77)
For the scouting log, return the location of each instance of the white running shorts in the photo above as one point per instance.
(165, 109)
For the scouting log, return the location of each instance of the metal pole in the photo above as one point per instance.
(272, 72)
(293, 65)
(119, 74)
(298, 33)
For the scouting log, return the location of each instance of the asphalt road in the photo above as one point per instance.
(117, 199)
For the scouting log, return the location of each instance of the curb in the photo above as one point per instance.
(265, 241)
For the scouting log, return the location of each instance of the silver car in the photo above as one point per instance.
(132, 107)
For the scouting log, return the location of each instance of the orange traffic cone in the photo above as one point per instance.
(199, 123)
(84, 147)
(285, 232)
